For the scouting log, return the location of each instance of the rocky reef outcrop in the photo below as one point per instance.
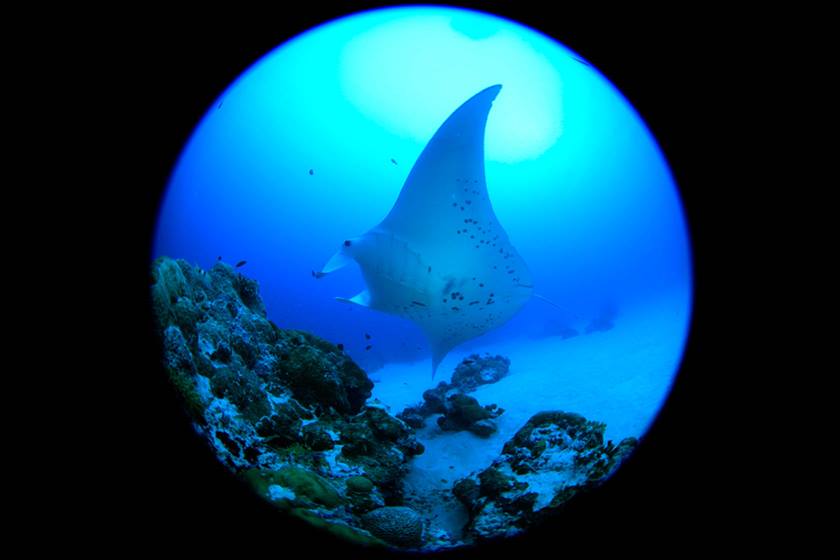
(475, 370)
(554, 457)
(460, 411)
(286, 411)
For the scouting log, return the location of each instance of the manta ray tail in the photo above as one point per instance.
(435, 363)
(439, 351)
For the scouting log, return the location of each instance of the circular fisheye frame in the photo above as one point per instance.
(422, 276)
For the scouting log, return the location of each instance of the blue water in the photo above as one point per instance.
(575, 177)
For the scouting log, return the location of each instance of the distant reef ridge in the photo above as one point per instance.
(292, 416)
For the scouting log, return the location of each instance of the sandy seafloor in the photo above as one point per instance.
(620, 377)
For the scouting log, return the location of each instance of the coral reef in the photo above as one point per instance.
(475, 370)
(285, 410)
(460, 411)
(291, 415)
(400, 526)
(463, 412)
(555, 456)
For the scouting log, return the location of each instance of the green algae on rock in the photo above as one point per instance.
(359, 485)
(303, 487)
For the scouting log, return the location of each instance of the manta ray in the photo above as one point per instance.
(440, 258)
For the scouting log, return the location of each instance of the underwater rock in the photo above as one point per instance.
(475, 370)
(460, 411)
(169, 285)
(242, 388)
(399, 526)
(413, 417)
(283, 426)
(381, 445)
(359, 485)
(552, 458)
(483, 428)
(361, 495)
(464, 413)
(319, 374)
(284, 409)
(317, 438)
(434, 400)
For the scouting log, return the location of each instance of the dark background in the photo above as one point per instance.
(675, 67)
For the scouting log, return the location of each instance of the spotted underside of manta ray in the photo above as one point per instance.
(440, 257)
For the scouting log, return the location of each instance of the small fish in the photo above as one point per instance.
(218, 258)
(219, 106)
(312, 172)
(367, 336)
(340, 346)
(240, 264)
(318, 274)
(393, 161)
(368, 347)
